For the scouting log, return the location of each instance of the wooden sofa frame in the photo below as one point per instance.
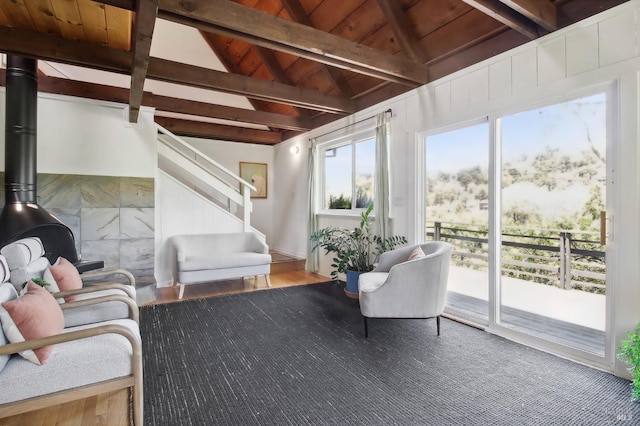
(134, 381)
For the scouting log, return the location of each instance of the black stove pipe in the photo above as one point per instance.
(21, 130)
(22, 216)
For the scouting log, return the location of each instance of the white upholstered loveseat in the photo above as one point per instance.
(212, 257)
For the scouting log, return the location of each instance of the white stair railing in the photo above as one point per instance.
(208, 175)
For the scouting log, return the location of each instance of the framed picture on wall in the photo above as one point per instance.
(256, 175)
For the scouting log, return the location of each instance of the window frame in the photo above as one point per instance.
(352, 140)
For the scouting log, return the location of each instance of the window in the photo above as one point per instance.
(348, 167)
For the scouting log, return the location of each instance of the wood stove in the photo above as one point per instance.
(22, 216)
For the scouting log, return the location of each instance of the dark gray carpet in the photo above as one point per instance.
(298, 356)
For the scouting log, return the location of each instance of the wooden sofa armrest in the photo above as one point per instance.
(134, 313)
(107, 272)
(136, 356)
(98, 287)
(134, 340)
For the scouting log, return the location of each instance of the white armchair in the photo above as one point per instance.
(402, 288)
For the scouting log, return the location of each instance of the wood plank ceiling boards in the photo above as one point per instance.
(286, 66)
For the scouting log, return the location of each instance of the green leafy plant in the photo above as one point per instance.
(355, 250)
(340, 202)
(630, 353)
(39, 281)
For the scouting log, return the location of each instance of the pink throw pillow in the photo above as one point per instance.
(34, 315)
(417, 253)
(67, 277)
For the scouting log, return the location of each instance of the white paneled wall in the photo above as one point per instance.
(582, 50)
(500, 81)
(618, 38)
(551, 60)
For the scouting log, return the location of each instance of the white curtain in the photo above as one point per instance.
(382, 196)
(311, 263)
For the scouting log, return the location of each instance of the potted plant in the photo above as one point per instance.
(630, 352)
(355, 250)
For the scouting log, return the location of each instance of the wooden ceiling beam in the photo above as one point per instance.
(259, 28)
(80, 89)
(269, 60)
(218, 131)
(57, 49)
(145, 21)
(542, 12)
(174, 72)
(223, 112)
(506, 15)
(31, 44)
(401, 28)
(122, 4)
(298, 14)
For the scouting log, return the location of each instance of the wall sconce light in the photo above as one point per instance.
(294, 149)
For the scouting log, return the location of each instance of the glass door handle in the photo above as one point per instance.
(603, 228)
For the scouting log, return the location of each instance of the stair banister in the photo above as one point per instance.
(247, 187)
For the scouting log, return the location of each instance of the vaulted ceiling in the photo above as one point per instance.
(295, 64)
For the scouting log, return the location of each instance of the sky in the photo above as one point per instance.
(338, 168)
(563, 126)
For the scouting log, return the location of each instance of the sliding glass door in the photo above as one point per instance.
(522, 197)
(457, 207)
(553, 269)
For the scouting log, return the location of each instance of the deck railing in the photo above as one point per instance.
(563, 258)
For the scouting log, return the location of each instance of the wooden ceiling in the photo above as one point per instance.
(301, 63)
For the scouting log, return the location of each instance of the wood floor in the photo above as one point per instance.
(112, 409)
(105, 410)
(278, 280)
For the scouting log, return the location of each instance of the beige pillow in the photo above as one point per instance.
(66, 276)
(34, 315)
(417, 253)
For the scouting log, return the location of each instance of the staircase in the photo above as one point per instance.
(205, 176)
(283, 263)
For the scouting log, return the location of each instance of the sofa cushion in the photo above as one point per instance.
(212, 245)
(34, 315)
(5, 273)
(96, 313)
(22, 252)
(7, 293)
(67, 276)
(76, 363)
(234, 260)
(24, 274)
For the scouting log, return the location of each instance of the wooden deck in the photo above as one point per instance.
(558, 331)
(573, 318)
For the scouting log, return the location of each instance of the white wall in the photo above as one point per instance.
(599, 52)
(292, 185)
(77, 136)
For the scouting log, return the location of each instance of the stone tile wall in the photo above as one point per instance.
(112, 218)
